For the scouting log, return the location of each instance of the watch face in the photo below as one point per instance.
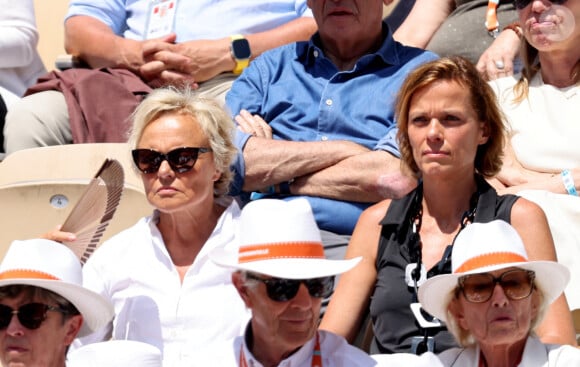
(241, 49)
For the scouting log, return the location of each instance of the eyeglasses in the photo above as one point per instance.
(478, 288)
(282, 290)
(520, 4)
(180, 160)
(30, 315)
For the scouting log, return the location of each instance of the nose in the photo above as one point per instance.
(498, 297)
(15, 328)
(303, 299)
(164, 169)
(539, 6)
(435, 132)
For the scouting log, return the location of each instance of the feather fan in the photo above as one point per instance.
(91, 215)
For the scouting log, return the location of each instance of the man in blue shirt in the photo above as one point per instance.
(316, 118)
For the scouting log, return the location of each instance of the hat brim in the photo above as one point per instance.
(551, 279)
(285, 268)
(96, 311)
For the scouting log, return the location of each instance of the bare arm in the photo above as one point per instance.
(95, 43)
(350, 300)
(423, 21)
(517, 178)
(208, 58)
(367, 177)
(531, 223)
(270, 162)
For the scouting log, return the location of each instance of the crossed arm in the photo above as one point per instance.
(340, 170)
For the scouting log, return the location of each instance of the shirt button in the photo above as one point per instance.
(324, 138)
(315, 53)
(329, 102)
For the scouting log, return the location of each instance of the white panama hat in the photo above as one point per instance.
(115, 353)
(53, 266)
(280, 239)
(486, 247)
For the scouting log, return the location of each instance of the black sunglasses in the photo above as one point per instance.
(478, 288)
(520, 4)
(30, 315)
(282, 290)
(180, 160)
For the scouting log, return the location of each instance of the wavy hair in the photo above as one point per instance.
(488, 159)
(214, 121)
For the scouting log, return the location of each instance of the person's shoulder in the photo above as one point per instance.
(414, 54)
(376, 212)
(407, 360)
(563, 355)
(124, 240)
(336, 347)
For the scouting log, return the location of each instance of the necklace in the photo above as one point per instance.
(416, 273)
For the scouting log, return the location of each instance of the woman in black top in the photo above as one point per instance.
(451, 136)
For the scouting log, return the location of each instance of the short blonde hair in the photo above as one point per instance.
(214, 121)
(488, 159)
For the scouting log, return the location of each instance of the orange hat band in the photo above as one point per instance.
(26, 274)
(280, 250)
(496, 258)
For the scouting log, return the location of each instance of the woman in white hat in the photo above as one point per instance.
(43, 305)
(451, 135)
(494, 299)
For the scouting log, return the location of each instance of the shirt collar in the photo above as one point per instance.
(309, 51)
(301, 357)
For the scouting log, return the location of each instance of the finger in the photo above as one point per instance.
(244, 126)
(152, 69)
(174, 61)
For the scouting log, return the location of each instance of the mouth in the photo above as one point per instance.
(340, 12)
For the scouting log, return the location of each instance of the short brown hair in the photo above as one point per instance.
(488, 159)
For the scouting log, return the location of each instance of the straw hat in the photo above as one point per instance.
(115, 353)
(53, 266)
(483, 248)
(280, 239)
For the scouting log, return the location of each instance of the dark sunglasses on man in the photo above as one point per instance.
(282, 290)
(180, 160)
(30, 315)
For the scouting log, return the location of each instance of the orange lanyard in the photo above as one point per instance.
(316, 355)
(491, 22)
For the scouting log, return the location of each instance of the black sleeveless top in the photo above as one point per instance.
(393, 322)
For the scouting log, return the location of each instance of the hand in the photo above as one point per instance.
(253, 125)
(58, 235)
(498, 60)
(200, 60)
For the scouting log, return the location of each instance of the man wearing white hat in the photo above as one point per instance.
(43, 305)
(281, 275)
(493, 300)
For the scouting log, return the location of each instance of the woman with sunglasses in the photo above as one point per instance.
(157, 274)
(450, 137)
(542, 106)
(494, 299)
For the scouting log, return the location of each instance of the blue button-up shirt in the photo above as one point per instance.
(304, 97)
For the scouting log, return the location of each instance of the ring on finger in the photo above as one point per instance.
(499, 64)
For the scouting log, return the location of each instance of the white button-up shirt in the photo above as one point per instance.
(133, 270)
